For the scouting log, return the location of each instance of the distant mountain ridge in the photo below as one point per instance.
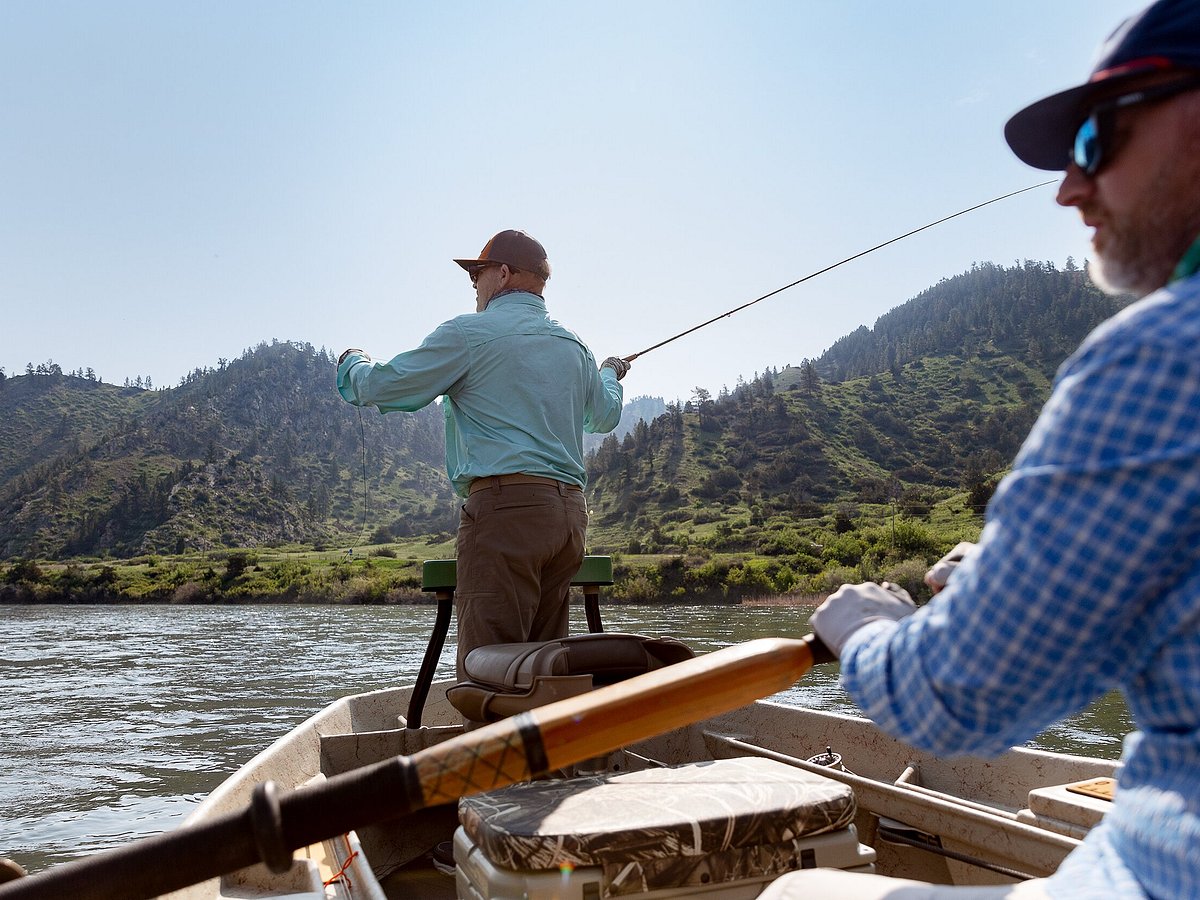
(638, 409)
(262, 451)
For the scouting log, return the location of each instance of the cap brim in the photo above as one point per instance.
(467, 263)
(1043, 133)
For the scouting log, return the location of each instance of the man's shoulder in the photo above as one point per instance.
(1169, 317)
(523, 313)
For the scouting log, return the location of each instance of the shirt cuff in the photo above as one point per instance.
(867, 633)
(345, 385)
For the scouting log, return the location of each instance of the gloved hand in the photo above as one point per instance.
(345, 353)
(617, 364)
(937, 576)
(852, 606)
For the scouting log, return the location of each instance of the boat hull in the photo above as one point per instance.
(927, 818)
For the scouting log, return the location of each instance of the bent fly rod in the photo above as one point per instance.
(725, 315)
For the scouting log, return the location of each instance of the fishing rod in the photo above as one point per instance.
(726, 315)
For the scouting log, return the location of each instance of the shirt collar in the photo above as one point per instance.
(1190, 264)
(510, 292)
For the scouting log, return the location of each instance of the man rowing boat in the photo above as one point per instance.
(1086, 577)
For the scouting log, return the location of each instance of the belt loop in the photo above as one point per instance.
(562, 489)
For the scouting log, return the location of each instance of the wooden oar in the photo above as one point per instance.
(517, 749)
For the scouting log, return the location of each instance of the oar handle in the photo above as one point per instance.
(512, 750)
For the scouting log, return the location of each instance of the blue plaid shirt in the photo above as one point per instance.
(1086, 578)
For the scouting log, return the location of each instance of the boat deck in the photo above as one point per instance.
(419, 879)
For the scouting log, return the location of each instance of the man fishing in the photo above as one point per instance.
(520, 390)
(1086, 577)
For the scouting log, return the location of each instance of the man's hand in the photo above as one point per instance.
(345, 353)
(852, 606)
(937, 576)
(617, 364)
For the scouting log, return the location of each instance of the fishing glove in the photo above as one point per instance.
(345, 353)
(617, 364)
(937, 576)
(852, 606)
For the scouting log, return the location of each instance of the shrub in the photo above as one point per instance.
(910, 575)
(751, 577)
(913, 539)
(832, 579)
(191, 592)
(779, 543)
(24, 571)
(843, 549)
(236, 564)
(642, 586)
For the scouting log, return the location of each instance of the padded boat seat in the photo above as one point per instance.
(697, 825)
(505, 679)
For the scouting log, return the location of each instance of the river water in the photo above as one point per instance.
(116, 720)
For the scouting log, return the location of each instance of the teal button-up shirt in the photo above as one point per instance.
(520, 391)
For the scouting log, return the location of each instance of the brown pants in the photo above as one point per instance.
(518, 547)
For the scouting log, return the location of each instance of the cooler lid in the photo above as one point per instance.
(689, 810)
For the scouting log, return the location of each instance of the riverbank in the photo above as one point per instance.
(390, 575)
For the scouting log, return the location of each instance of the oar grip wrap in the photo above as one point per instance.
(491, 757)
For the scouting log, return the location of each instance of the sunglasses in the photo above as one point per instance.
(1093, 141)
(474, 272)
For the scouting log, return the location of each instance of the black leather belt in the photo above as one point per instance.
(480, 484)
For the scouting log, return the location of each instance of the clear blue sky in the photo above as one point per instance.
(180, 181)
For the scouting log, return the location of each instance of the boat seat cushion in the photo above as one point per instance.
(747, 812)
(508, 678)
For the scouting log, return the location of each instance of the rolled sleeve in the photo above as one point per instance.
(603, 412)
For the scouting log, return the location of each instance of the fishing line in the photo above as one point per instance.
(362, 433)
(725, 315)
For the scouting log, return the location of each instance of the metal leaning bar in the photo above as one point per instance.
(440, 577)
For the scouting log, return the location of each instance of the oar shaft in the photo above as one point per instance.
(176, 859)
(717, 682)
(149, 867)
(513, 750)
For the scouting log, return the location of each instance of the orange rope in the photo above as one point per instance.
(341, 873)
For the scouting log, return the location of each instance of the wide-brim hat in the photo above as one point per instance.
(1163, 37)
(515, 249)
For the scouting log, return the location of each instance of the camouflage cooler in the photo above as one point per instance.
(721, 829)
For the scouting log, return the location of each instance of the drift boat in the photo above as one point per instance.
(960, 821)
(670, 780)
(716, 808)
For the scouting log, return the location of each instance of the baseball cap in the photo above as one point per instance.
(1163, 37)
(515, 249)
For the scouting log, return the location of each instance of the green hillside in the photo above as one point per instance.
(260, 451)
(870, 459)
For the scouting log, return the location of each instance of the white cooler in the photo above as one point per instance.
(721, 829)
